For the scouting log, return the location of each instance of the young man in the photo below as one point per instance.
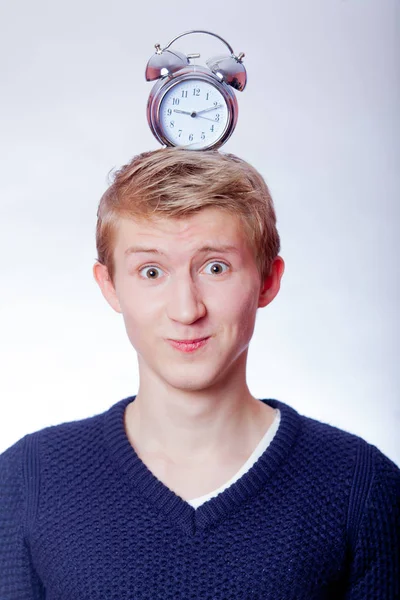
(193, 488)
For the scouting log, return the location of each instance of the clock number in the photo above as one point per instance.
(172, 124)
(179, 132)
(217, 117)
(207, 95)
(212, 128)
(196, 92)
(169, 112)
(175, 101)
(190, 137)
(216, 103)
(203, 135)
(184, 94)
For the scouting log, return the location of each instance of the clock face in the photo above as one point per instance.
(193, 113)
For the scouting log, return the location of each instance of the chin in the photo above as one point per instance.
(187, 385)
(195, 382)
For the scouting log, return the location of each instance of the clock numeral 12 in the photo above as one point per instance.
(196, 92)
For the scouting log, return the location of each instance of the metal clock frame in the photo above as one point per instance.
(197, 73)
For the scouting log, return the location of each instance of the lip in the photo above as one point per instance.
(189, 345)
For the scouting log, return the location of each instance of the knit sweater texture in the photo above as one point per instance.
(317, 516)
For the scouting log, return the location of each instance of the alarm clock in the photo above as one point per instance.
(193, 106)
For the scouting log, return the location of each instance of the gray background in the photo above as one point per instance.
(319, 119)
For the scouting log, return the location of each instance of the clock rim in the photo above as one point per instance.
(166, 83)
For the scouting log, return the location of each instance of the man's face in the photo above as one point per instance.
(179, 280)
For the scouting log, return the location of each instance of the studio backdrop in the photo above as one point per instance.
(319, 119)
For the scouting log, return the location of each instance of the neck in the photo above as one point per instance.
(189, 427)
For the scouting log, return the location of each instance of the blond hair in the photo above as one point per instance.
(175, 183)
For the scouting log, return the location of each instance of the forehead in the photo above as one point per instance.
(213, 225)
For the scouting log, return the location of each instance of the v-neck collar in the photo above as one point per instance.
(172, 506)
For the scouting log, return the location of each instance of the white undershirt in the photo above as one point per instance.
(258, 451)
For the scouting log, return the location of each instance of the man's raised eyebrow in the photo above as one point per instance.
(218, 248)
(137, 249)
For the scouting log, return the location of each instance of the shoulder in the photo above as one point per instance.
(329, 441)
(331, 453)
(370, 467)
(350, 475)
(52, 462)
(70, 440)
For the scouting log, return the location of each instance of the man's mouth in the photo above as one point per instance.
(189, 345)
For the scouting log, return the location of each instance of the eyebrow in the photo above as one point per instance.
(202, 250)
(140, 249)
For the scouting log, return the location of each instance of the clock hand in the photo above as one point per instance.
(208, 109)
(207, 118)
(184, 112)
(193, 114)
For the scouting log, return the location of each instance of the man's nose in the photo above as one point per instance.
(185, 303)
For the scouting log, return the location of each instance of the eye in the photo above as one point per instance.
(216, 268)
(151, 272)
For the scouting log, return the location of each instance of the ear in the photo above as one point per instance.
(100, 273)
(272, 283)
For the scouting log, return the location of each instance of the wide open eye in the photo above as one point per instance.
(151, 272)
(216, 267)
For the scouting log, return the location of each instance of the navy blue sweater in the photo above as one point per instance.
(83, 518)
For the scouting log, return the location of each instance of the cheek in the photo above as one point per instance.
(239, 309)
(138, 314)
(137, 303)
